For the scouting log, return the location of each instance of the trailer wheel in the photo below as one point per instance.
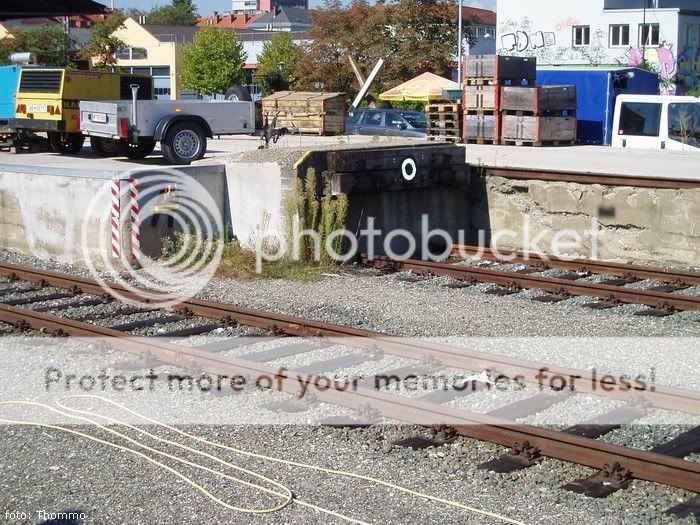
(184, 143)
(65, 143)
(103, 147)
(138, 151)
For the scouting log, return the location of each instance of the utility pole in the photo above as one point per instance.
(645, 33)
(459, 46)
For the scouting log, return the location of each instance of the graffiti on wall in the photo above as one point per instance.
(661, 59)
(520, 41)
(521, 37)
(688, 66)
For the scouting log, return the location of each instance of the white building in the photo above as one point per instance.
(664, 33)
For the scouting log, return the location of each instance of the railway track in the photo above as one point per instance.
(663, 299)
(617, 465)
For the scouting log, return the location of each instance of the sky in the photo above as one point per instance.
(206, 7)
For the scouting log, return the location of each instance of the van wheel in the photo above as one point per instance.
(66, 143)
(184, 143)
(103, 147)
(138, 151)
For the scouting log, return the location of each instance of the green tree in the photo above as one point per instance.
(413, 36)
(50, 43)
(276, 63)
(213, 62)
(179, 13)
(103, 45)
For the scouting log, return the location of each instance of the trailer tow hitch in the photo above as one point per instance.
(270, 132)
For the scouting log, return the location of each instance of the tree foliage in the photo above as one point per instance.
(213, 62)
(179, 13)
(277, 63)
(412, 36)
(103, 45)
(50, 43)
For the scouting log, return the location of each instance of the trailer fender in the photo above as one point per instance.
(167, 121)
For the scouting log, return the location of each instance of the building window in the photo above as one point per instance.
(131, 53)
(619, 36)
(692, 37)
(649, 34)
(582, 36)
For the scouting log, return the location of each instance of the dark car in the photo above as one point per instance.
(391, 122)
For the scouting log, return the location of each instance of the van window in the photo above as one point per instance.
(640, 119)
(684, 123)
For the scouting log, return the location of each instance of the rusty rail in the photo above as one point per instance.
(660, 300)
(574, 264)
(584, 451)
(664, 397)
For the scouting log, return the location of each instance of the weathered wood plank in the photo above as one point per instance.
(393, 180)
(392, 158)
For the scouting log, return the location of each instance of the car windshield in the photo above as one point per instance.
(415, 119)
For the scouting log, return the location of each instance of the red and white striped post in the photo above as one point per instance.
(115, 213)
(135, 223)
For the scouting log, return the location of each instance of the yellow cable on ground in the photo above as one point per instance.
(287, 494)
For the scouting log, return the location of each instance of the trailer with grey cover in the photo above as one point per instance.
(182, 127)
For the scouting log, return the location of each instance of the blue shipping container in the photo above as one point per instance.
(9, 77)
(596, 90)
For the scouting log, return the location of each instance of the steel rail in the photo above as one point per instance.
(591, 178)
(509, 256)
(587, 381)
(567, 447)
(661, 300)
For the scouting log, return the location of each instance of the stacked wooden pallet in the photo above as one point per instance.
(306, 112)
(484, 76)
(444, 121)
(539, 116)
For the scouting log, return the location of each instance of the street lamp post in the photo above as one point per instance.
(459, 45)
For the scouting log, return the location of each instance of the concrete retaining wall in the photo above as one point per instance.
(646, 226)
(43, 210)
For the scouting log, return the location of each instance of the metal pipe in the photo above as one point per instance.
(134, 113)
(459, 46)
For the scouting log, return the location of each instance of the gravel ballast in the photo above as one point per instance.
(46, 470)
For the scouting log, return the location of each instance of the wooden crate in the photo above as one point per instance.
(481, 128)
(306, 111)
(546, 100)
(500, 68)
(537, 130)
(481, 97)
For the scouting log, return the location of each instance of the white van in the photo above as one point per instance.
(657, 122)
